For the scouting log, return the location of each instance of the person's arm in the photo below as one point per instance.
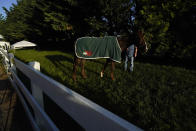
(135, 52)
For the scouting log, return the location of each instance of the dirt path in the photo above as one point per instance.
(12, 114)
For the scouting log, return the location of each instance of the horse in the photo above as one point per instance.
(122, 41)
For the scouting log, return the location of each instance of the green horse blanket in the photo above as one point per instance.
(98, 47)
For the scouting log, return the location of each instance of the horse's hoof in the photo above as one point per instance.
(101, 74)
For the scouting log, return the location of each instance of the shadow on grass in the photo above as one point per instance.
(188, 64)
(58, 60)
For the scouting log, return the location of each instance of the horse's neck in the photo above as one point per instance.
(141, 38)
(122, 45)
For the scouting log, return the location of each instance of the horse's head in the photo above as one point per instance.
(138, 39)
(141, 42)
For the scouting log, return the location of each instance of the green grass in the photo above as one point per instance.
(153, 97)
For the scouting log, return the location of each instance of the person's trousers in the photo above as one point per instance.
(127, 60)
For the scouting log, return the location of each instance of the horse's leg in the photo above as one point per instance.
(76, 61)
(104, 67)
(82, 66)
(112, 70)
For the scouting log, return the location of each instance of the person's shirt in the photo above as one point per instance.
(130, 50)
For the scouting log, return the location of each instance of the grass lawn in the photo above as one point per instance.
(153, 97)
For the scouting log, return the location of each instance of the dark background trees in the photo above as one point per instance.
(169, 26)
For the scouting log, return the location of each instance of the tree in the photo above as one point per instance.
(15, 22)
(118, 14)
(2, 22)
(88, 17)
(164, 23)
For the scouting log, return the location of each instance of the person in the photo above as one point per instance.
(131, 53)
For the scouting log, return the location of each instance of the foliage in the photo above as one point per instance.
(79, 18)
(15, 24)
(169, 26)
(154, 97)
(66, 19)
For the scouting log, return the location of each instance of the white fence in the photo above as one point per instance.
(86, 113)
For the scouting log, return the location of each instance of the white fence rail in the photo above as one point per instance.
(86, 113)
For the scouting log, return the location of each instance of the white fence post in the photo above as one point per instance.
(36, 91)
